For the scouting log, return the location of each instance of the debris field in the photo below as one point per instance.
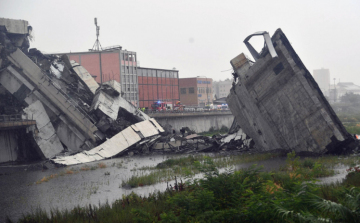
(275, 101)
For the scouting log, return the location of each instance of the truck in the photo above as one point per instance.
(178, 107)
(161, 106)
(158, 106)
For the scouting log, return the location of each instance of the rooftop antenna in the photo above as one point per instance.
(97, 45)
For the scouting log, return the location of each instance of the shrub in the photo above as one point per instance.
(308, 163)
(212, 129)
(353, 176)
(224, 128)
(101, 165)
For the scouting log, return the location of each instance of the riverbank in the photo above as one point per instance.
(250, 194)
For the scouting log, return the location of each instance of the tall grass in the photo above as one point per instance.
(186, 167)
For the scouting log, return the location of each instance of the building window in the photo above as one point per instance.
(183, 90)
(191, 90)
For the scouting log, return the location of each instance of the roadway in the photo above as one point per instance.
(169, 114)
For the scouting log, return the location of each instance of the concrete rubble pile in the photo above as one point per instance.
(190, 142)
(279, 105)
(73, 113)
(77, 119)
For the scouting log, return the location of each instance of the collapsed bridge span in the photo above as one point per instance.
(279, 105)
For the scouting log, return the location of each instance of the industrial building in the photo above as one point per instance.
(157, 85)
(196, 91)
(112, 63)
(140, 86)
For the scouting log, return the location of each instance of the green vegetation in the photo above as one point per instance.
(148, 179)
(332, 161)
(351, 121)
(74, 171)
(213, 131)
(353, 129)
(308, 168)
(248, 195)
(187, 167)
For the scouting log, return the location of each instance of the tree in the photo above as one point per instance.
(350, 98)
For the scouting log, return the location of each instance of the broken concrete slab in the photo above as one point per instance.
(84, 75)
(112, 88)
(104, 104)
(15, 26)
(116, 145)
(12, 79)
(279, 105)
(43, 84)
(130, 108)
(46, 137)
(107, 103)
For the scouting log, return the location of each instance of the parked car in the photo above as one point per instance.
(199, 109)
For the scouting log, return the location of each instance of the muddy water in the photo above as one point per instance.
(20, 193)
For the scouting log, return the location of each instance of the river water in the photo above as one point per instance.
(21, 194)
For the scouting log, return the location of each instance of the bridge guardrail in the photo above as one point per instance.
(172, 111)
(10, 118)
(9, 121)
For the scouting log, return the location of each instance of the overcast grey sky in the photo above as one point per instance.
(199, 38)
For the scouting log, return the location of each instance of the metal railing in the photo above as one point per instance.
(10, 118)
(10, 121)
(185, 111)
